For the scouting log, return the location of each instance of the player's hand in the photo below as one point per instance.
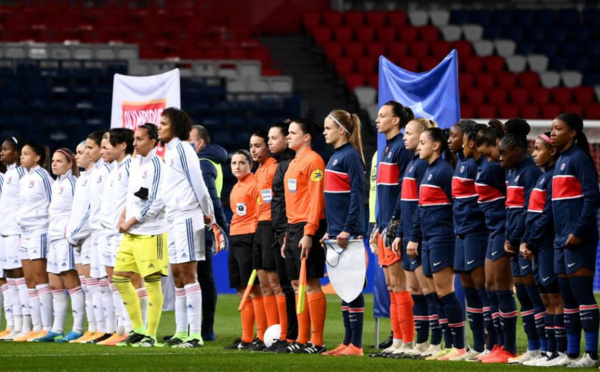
(412, 249)
(509, 249)
(121, 222)
(208, 219)
(572, 240)
(342, 239)
(397, 246)
(322, 241)
(125, 226)
(305, 245)
(525, 252)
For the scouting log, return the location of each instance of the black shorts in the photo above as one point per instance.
(240, 260)
(315, 263)
(262, 252)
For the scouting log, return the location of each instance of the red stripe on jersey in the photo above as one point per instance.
(388, 174)
(336, 181)
(409, 189)
(432, 195)
(566, 187)
(463, 188)
(515, 197)
(487, 193)
(537, 200)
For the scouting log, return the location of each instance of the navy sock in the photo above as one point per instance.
(492, 335)
(551, 339)
(347, 329)
(572, 321)
(475, 314)
(456, 319)
(494, 306)
(508, 318)
(434, 324)
(540, 314)
(421, 318)
(583, 289)
(356, 317)
(444, 324)
(560, 333)
(527, 315)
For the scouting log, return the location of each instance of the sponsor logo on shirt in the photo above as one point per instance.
(240, 209)
(292, 185)
(316, 175)
(267, 195)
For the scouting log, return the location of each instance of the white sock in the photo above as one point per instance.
(108, 307)
(27, 324)
(7, 304)
(193, 296)
(181, 321)
(44, 293)
(119, 309)
(34, 307)
(88, 293)
(15, 304)
(77, 308)
(3, 289)
(143, 296)
(98, 311)
(60, 304)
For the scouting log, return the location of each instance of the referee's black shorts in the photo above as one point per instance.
(240, 260)
(315, 263)
(262, 252)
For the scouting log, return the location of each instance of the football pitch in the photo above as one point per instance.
(212, 357)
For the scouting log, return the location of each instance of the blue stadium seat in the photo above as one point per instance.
(580, 32)
(548, 49)
(570, 49)
(525, 48)
(591, 79)
(579, 63)
(523, 17)
(557, 63)
(557, 34)
(493, 32)
(545, 17)
(591, 16)
(459, 17)
(481, 16)
(569, 16)
(515, 33)
(536, 34)
(592, 48)
(503, 17)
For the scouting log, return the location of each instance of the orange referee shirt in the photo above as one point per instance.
(242, 202)
(304, 196)
(264, 187)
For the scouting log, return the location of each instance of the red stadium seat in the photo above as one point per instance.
(561, 95)
(529, 79)
(355, 80)
(365, 34)
(463, 48)
(575, 108)
(519, 96)
(343, 34)
(332, 18)
(486, 111)
(375, 18)
(322, 35)
(354, 18)
(473, 64)
(354, 50)
(465, 81)
(344, 66)
(407, 33)
(550, 110)
(584, 95)
(373, 80)
(506, 80)
(366, 65)
(311, 20)
(418, 49)
(440, 49)
(428, 33)
(494, 63)
(592, 111)
(375, 49)
(530, 111)
(540, 95)
(497, 96)
(332, 50)
(467, 111)
(408, 63)
(386, 34)
(397, 18)
(398, 50)
(429, 63)
(475, 96)
(485, 80)
(509, 111)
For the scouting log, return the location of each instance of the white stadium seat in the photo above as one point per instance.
(537, 62)
(365, 95)
(516, 63)
(472, 32)
(571, 79)
(418, 18)
(440, 18)
(505, 48)
(483, 48)
(451, 33)
(550, 79)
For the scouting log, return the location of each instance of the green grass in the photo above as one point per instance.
(212, 357)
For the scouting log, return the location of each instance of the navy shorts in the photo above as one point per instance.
(436, 256)
(568, 260)
(520, 266)
(544, 264)
(495, 247)
(469, 252)
(409, 263)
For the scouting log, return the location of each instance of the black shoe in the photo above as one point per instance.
(189, 344)
(167, 338)
(387, 342)
(276, 347)
(106, 336)
(174, 341)
(132, 339)
(295, 348)
(377, 355)
(311, 348)
(147, 341)
(244, 345)
(257, 345)
(234, 345)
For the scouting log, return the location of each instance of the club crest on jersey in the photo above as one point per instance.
(429, 177)
(99, 180)
(240, 209)
(31, 184)
(9, 180)
(478, 174)
(411, 169)
(462, 169)
(292, 185)
(562, 166)
(316, 175)
(542, 180)
(171, 162)
(119, 177)
(145, 175)
(389, 155)
(267, 195)
(335, 161)
(84, 182)
(517, 178)
(62, 188)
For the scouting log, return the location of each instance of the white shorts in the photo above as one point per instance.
(110, 249)
(11, 245)
(85, 252)
(186, 243)
(34, 246)
(61, 257)
(2, 258)
(97, 269)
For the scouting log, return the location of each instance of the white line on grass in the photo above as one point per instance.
(94, 354)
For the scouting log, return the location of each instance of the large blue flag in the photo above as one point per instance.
(432, 95)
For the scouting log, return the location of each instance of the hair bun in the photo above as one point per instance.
(517, 127)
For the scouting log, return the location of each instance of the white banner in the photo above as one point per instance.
(347, 268)
(142, 99)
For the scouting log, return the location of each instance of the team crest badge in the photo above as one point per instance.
(292, 185)
(8, 180)
(562, 166)
(429, 177)
(462, 169)
(31, 184)
(171, 162)
(517, 179)
(84, 182)
(335, 162)
(266, 195)
(240, 209)
(145, 175)
(389, 155)
(119, 177)
(411, 169)
(99, 180)
(62, 188)
(542, 180)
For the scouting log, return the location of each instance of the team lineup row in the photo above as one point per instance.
(472, 203)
